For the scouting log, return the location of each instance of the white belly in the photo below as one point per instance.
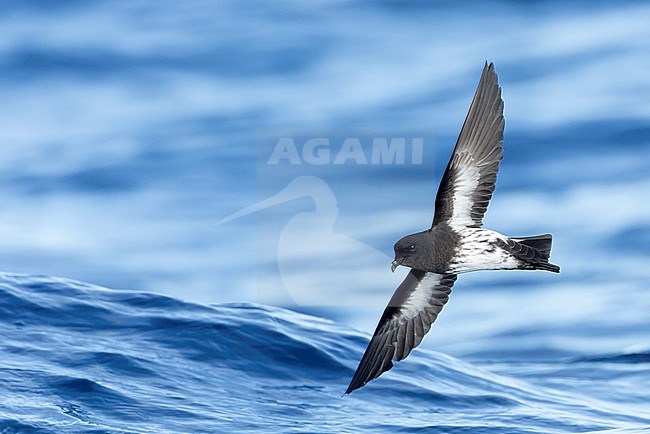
(478, 250)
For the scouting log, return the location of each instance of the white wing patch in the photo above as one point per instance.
(466, 179)
(421, 296)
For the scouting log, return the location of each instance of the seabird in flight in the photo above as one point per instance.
(456, 242)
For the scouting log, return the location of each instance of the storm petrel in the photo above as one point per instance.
(455, 243)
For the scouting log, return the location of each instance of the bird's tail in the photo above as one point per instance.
(541, 243)
(541, 250)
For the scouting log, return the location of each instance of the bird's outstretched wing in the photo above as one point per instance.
(468, 182)
(407, 318)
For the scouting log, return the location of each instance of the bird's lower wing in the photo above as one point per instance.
(407, 318)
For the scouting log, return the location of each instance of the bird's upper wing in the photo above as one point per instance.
(407, 318)
(468, 182)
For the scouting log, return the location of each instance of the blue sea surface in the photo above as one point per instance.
(77, 358)
(136, 155)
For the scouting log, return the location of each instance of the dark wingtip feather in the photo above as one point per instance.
(488, 68)
(375, 361)
(365, 373)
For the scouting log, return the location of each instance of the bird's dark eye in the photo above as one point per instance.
(411, 248)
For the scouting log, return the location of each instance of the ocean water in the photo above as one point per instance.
(81, 358)
(137, 143)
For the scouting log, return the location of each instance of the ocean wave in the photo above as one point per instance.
(80, 358)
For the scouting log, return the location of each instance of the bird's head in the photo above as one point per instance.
(408, 251)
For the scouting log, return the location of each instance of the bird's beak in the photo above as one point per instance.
(396, 263)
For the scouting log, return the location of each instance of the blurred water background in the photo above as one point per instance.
(129, 129)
